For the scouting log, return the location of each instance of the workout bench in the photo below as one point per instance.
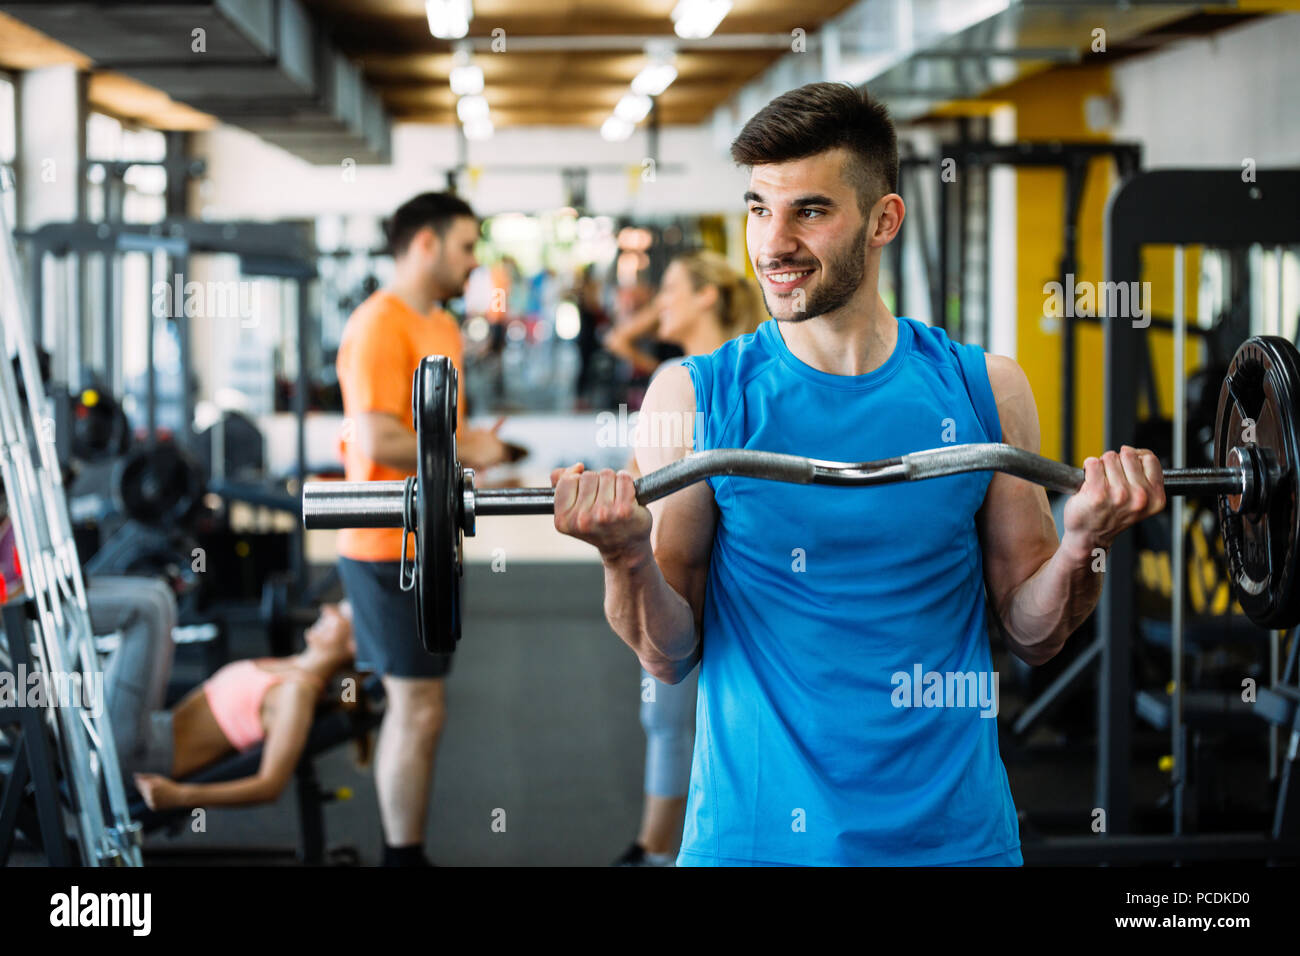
(331, 727)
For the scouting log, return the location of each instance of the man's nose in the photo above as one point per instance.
(778, 240)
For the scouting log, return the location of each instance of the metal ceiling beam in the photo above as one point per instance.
(635, 43)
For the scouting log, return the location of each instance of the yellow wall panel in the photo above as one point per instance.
(1051, 106)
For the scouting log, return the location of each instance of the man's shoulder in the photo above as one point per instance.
(380, 310)
(1006, 377)
(733, 355)
(379, 319)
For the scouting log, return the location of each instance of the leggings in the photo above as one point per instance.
(143, 612)
(669, 722)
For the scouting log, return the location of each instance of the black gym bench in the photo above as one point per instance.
(331, 728)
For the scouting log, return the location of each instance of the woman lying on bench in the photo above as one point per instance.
(270, 701)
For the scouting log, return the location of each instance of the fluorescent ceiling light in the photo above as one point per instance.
(633, 107)
(449, 19)
(654, 79)
(480, 128)
(616, 128)
(697, 19)
(470, 108)
(467, 80)
(466, 77)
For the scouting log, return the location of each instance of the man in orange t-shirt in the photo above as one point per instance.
(432, 240)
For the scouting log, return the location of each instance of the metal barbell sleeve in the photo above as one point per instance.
(352, 504)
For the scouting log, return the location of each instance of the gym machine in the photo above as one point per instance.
(64, 748)
(1178, 207)
(161, 483)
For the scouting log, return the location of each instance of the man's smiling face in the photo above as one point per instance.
(806, 235)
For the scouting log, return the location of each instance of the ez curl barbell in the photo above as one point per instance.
(1255, 473)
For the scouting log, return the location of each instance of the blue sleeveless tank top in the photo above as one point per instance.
(847, 706)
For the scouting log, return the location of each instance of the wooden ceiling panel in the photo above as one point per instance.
(401, 25)
(410, 69)
(134, 101)
(22, 48)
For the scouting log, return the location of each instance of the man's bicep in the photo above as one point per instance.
(682, 540)
(1015, 523)
(374, 371)
(684, 522)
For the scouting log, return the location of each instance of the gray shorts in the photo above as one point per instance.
(383, 622)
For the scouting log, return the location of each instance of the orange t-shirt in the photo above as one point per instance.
(383, 343)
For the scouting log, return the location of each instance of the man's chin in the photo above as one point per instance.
(785, 311)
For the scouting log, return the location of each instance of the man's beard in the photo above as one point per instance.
(449, 284)
(843, 274)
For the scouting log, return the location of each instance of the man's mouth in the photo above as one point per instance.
(787, 279)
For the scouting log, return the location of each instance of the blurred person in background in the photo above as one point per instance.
(593, 319)
(702, 303)
(432, 239)
(635, 340)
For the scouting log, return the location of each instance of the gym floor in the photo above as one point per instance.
(543, 724)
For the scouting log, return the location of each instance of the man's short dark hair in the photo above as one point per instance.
(437, 210)
(822, 116)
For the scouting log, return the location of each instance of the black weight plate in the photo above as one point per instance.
(438, 506)
(99, 426)
(157, 486)
(1262, 385)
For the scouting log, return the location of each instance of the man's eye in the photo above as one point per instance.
(756, 210)
(813, 212)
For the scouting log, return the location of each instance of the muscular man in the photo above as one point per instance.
(432, 240)
(846, 688)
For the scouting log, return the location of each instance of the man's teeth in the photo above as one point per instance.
(788, 276)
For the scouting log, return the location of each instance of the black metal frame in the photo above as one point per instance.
(327, 732)
(1073, 158)
(271, 250)
(1175, 207)
(35, 761)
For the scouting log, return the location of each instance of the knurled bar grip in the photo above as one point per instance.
(938, 462)
(379, 504)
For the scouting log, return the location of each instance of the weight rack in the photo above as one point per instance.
(52, 634)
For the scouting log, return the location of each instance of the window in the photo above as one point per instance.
(8, 146)
(144, 186)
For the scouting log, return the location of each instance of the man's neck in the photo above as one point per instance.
(416, 296)
(855, 339)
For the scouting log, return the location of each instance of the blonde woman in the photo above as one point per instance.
(702, 303)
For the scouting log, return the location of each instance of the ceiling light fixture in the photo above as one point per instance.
(616, 129)
(466, 75)
(633, 107)
(449, 19)
(479, 128)
(658, 74)
(697, 19)
(470, 108)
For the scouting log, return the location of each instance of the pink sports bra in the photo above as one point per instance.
(235, 694)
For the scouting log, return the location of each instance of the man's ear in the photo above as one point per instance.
(427, 242)
(888, 214)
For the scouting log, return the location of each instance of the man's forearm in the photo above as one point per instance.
(1048, 607)
(396, 449)
(650, 617)
(399, 449)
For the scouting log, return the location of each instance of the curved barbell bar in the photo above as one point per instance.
(379, 504)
